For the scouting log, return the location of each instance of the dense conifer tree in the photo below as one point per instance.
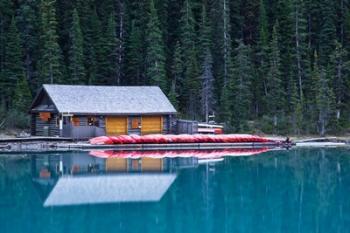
(155, 55)
(111, 45)
(177, 80)
(29, 27)
(340, 73)
(262, 57)
(275, 93)
(51, 70)
(13, 65)
(324, 101)
(197, 51)
(207, 80)
(22, 96)
(241, 87)
(189, 54)
(134, 56)
(76, 52)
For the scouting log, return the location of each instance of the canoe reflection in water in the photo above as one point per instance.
(200, 154)
(117, 176)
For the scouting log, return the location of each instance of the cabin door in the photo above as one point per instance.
(116, 126)
(151, 125)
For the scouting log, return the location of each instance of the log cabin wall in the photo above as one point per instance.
(38, 130)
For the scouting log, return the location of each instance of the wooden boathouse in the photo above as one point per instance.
(79, 112)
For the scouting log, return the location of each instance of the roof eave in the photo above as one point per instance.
(119, 114)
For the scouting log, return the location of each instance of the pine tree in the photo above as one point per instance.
(106, 53)
(204, 35)
(260, 82)
(222, 55)
(13, 65)
(177, 80)
(191, 71)
(111, 52)
(296, 108)
(29, 26)
(340, 72)
(311, 110)
(93, 49)
(324, 101)
(241, 86)
(51, 70)
(285, 37)
(121, 34)
(155, 55)
(187, 31)
(300, 52)
(76, 53)
(192, 85)
(134, 58)
(226, 47)
(207, 97)
(6, 14)
(327, 31)
(90, 31)
(205, 55)
(22, 96)
(275, 91)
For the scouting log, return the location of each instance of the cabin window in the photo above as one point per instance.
(92, 121)
(135, 123)
(45, 116)
(75, 121)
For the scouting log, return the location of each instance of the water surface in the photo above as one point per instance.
(301, 190)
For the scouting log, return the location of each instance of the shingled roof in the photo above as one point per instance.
(114, 100)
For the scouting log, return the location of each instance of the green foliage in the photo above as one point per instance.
(134, 56)
(207, 83)
(274, 91)
(189, 57)
(13, 65)
(155, 56)
(177, 80)
(76, 53)
(51, 56)
(241, 87)
(22, 97)
(17, 119)
(324, 102)
(226, 57)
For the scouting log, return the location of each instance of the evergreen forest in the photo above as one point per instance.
(272, 66)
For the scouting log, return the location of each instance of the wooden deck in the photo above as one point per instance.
(35, 139)
(43, 144)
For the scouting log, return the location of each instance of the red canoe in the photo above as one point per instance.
(182, 138)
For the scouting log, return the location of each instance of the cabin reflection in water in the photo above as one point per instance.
(53, 165)
(77, 178)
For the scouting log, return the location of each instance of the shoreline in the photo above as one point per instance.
(55, 144)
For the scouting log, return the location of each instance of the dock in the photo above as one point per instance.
(67, 145)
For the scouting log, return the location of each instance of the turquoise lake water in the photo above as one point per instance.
(300, 190)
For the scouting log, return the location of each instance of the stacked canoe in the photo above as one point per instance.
(178, 139)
